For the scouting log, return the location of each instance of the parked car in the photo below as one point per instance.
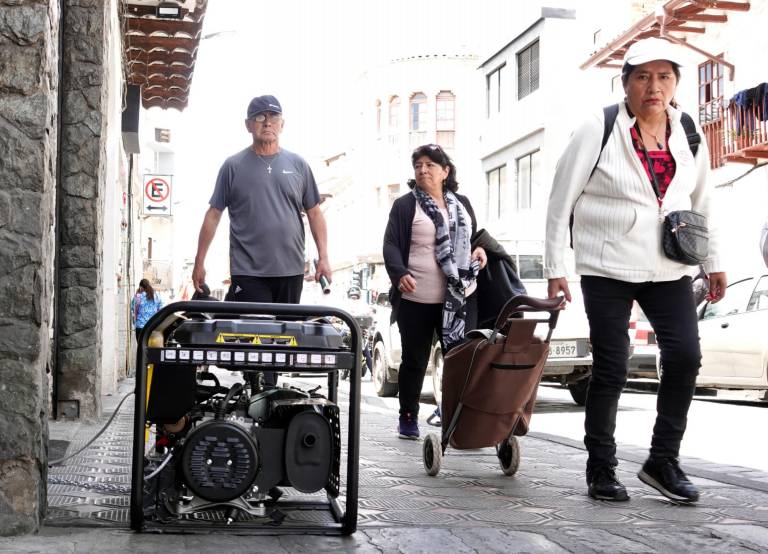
(569, 362)
(734, 343)
(642, 362)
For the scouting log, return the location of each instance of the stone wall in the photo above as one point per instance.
(83, 163)
(28, 131)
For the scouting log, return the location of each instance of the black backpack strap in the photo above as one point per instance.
(610, 113)
(693, 136)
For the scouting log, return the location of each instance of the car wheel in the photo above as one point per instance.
(379, 374)
(437, 374)
(578, 391)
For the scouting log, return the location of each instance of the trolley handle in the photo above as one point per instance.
(523, 303)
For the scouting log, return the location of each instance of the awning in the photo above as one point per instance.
(674, 21)
(160, 53)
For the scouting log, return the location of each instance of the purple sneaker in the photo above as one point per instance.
(408, 427)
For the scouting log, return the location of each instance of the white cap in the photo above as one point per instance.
(650, 49)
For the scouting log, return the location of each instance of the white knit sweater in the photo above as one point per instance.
(617, 219)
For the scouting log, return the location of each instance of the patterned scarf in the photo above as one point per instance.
(453, 251)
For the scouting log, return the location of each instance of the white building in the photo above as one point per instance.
(533, 95)
(403, 104)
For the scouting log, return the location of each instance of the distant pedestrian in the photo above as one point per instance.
(645, 168)
(146, 303)
(764, 242)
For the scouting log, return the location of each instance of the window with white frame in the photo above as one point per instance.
(445, 121)
(496, 182)
(493, 87)
(529, 193)
(418, 112)
(528, 70)
(710, 92)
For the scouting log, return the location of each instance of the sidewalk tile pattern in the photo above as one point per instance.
(547, 494)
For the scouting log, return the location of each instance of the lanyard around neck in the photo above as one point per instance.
(649, 161)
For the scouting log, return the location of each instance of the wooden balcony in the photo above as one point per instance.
(740, 135)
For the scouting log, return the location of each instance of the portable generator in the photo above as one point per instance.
(214, 447)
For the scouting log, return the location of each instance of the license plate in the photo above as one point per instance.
(563, 349)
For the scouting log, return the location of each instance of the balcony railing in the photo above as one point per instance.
(713, 133)
(746, 136)
(740, 135)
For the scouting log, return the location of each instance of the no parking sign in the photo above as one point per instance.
(157, 194)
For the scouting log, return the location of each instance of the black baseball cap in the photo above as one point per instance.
(266, 103)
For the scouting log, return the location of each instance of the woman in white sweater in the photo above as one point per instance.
(617, 230)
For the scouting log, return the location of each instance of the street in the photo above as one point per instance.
(719, 431)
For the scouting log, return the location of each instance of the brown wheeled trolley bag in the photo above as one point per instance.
(490, 383)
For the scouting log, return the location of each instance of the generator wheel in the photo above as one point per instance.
(432, 452)
(508, 452)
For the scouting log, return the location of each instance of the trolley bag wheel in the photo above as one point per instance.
(508, 452)
(433, 454)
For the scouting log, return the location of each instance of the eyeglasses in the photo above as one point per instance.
(262, 117)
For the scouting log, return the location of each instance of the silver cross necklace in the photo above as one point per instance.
(268, 164)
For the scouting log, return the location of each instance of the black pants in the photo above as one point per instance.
(672, 314)
(281, 290)
(418, 324)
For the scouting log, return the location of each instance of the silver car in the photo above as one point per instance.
(734, 342)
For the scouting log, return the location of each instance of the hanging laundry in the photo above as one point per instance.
(761, 101)
(741, 104)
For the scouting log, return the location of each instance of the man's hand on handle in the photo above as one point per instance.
(322, 267)
(558, 285)
(198, 277)
(207, 232)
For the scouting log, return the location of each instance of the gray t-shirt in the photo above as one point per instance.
(266, 234)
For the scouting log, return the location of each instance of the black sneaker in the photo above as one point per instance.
(665, 475)
(603, 485)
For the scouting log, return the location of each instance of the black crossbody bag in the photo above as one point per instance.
(684, 238)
